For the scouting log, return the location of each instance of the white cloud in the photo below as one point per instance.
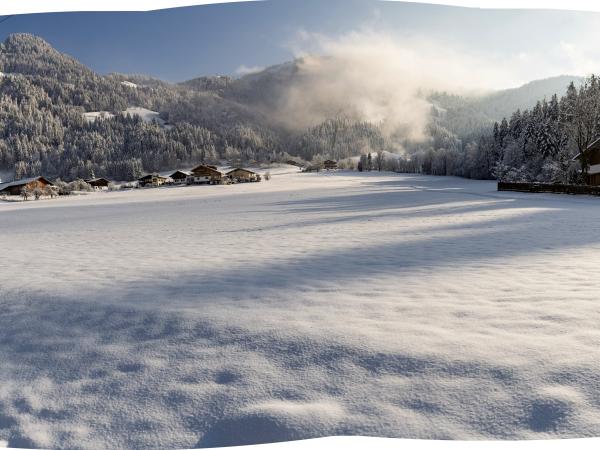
(376, 77)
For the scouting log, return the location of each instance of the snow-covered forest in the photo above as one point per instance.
(61, 119)
(536, 144)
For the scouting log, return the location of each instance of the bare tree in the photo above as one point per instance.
(379, 160)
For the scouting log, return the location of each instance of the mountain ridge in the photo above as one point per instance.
(43, 129)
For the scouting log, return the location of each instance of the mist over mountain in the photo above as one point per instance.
(313, 107)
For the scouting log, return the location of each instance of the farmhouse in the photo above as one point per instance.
(152, 179)
(16, 187)
(311, 168)
(243, 175)
(99, 184)
(206, 175)
(330, 164)
(179, 177)
(592, 154)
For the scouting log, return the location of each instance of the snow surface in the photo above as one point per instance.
(93, 115)
(129, 84)
(147, 115)
(304, 306)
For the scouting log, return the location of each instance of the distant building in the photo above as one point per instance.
(99, 184)
(330, 164)
(592, 154)
(16, 187)
(179, 177)
(243, 175)
(153, 180)
(314, 168)
(291, 162)
(203, 174)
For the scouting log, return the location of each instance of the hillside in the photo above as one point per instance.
(464, 114)
(48, 98)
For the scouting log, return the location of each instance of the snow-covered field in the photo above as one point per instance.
(308, 305)
(146, 115)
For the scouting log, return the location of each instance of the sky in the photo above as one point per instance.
(506, 47)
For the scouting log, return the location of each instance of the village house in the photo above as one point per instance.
(291, 162)
(203, 174)
(243, 175)
(98, 184)
(330, 164)
(179, 177)
(311, 168)
(17, 187)
(153, 180)
(592, 154)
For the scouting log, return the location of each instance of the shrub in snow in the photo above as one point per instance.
(50, 191)
(79, 185)
(267, 176)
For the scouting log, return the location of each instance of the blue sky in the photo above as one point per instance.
(182, 43)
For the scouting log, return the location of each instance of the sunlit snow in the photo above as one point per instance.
(308, 305)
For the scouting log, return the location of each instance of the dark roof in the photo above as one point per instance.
(150, 176)
(181, 172)
(95, 180)
(242, 169)
(594, 145)
(22, 182)
(205, 167)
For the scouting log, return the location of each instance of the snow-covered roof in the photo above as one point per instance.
(20, 182)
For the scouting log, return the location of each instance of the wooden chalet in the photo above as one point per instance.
(99, 184)
(243, 175)
(291, 162)
(16, 187)
(330, 164)
(312, 168)
(592, 154)
(203, 174)
(179, 177)
(153, 179)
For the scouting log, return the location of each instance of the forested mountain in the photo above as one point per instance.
(44, 95)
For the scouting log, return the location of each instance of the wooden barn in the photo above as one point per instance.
(99, 184)
(179, 177)
(152, 179)
(592, 154)
(243, 175)
(330, 164)
(206, 175)
(16, 187)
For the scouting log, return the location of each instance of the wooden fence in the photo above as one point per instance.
(552, 188)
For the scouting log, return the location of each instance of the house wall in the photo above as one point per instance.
(16, 190)
(593, 180)
(206, 175)
(242, 175)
